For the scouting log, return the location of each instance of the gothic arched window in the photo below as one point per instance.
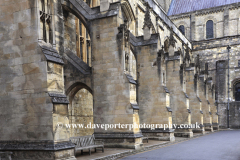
(209, 29)
(237, 91)
(182, 29)
(83, 46)
(45, 21)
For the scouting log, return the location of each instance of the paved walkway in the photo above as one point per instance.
(111, 151)
(99, 153)
(223, 145)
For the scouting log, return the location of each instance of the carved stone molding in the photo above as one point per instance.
(169, 109)
(88, 42)
(35, 145)
(59, 98)
(187, 55)
(123, 31)
(197, 62)
(147, 19)
(160, 130)
(130, 79)
(5, 155)
(50, 53)
(172, 40)
(36, 155)
(81, 39)
(113, 135)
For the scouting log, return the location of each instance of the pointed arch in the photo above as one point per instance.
(77, 86)
(127, 10)
(80, 108)
(83, 14)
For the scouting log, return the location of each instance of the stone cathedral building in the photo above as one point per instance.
(110, 62)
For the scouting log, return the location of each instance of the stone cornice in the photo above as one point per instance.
(205, 11)
(139, 41)
(215, 43)
(35, 145)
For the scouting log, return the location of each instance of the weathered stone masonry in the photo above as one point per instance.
(213, 50)
(63, 62)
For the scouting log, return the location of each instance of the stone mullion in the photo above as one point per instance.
(88, 49)
(77, 37)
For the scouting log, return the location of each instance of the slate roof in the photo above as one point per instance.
(51, 54)
(184, 6)
(130, 79)
(77, 62)
(166, 89)
(199, 99)
(139, 41)
(135, 106)
(59, 98)
(169, 109)
(208, 102)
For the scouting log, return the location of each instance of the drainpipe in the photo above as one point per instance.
(190, 27)
(228, 48)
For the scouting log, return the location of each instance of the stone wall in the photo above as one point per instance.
(152, 95)
(26, 107)
(45, 84)
(234, 115)
(27, 78)
(82, 113)
(194, 102)
(225, 19)
(214, 51)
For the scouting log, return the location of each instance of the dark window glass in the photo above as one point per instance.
(182, 29)
(87, 54)
(80, 28)
(81, 50)
(126, 62)
(209, 29)
(237, 92)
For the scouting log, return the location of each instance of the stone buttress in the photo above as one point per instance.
(176, 83)
(153, 95)
(207, 119)
(194, 101)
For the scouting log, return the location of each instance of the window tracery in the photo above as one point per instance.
(45, 21)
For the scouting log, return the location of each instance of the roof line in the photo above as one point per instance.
(170, 7)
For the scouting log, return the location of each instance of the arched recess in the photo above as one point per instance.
(166, 44)
(131, 64)
(236, 89)
(179, 51)
(83, 17)
(128, 15)
(77, 37)
(127, 10)
(80, 109)
(134, 65)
